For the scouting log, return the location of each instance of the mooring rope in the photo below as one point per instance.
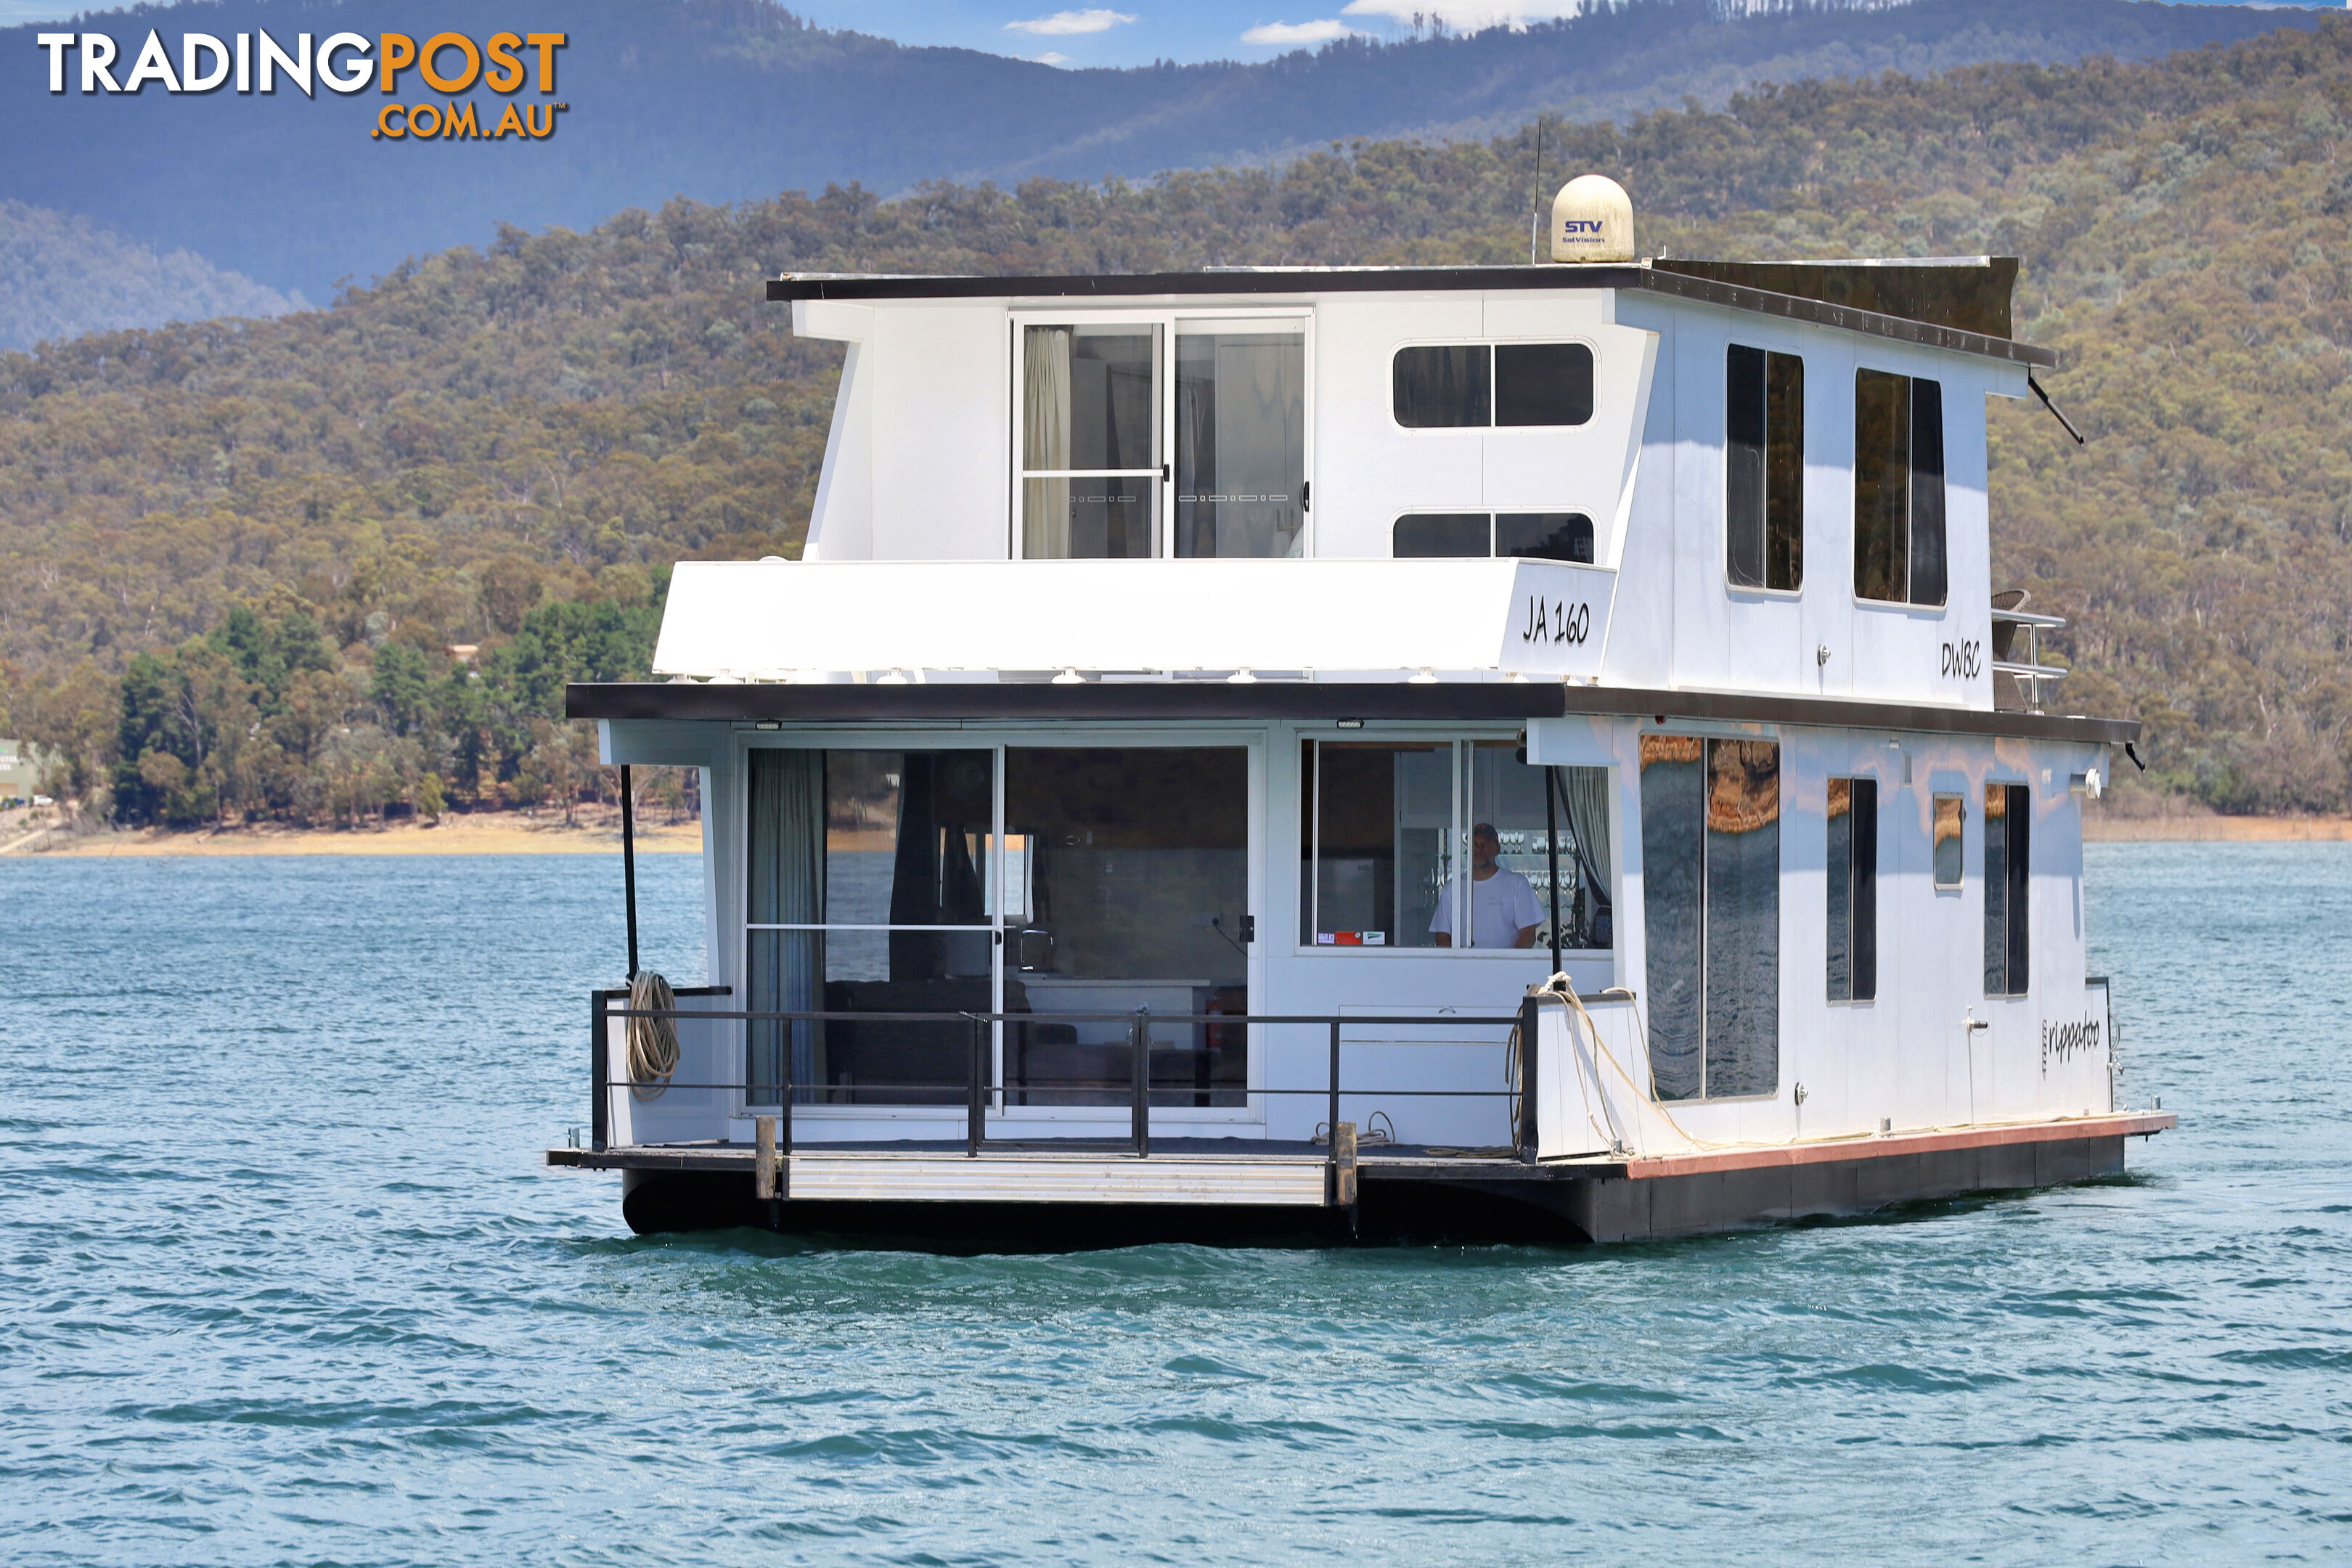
(653, 1042)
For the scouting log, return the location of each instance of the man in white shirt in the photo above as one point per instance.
(1503, 908)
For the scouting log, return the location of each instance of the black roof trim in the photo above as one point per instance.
(1407, 281)
(1449, 702)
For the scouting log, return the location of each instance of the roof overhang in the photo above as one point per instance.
(1299, 281)
(780, 620)
(1452, 701)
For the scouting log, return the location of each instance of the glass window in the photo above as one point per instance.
(1542, 383)
(866, 893)
(2008, 817)
(1138, 874)
(1950, 809)
(1711, 882)
(1386, 826)
(1434, 533)
(1898, 488)
(1089, 440)
(1544, 535)
(1531, 535)
(1240, 437)
(1444, 387)
(1377, 839)
(1764, 468)
(1853, 885)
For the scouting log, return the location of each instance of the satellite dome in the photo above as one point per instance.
(1592, 220)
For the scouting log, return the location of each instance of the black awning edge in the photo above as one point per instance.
(1411, 280)
(1447, 701)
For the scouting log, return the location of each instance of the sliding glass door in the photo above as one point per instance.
(1074, 889)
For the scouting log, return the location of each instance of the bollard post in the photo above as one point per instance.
(763, 1162)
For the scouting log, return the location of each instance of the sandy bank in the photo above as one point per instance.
(482, 833)
(2218, 830)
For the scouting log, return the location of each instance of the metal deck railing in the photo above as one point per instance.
(982, 1088)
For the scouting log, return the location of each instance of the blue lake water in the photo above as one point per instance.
(285, 1281)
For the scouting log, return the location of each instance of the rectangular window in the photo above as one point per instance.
(867, 894)
(1422, 536)
(1764, 468)
(1138, 882)
(1542, 383)
(1527, 535)
(1711, 889)
(1090, 462)
(1950, 811)
(1386, 826)
(1240, 437)
(2009, 818)
(1853, 885)
(1478, 386)
(1444, 387)
(1898, 488)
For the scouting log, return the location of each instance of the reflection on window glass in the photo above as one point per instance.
(1139, 881)
(1853, 889)
(2008, 817)
(1530, 535)
(1949, 811)
(1544, 535)
(1240, 437)
(1444, 387)
(1379, 821)
(1543, 384)
(1764, 468)
(1441, 534)
(1711, 853)
(844, 838)
(1898, 488)
(1090, 419)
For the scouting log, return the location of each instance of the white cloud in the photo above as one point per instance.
(1466, 15)
(1284, 33)
(1053, 58)
(1066, 23)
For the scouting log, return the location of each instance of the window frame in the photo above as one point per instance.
(1936, 608)
(1856, 880)
(1494, 535)
(1708, 739)
(1462, 744)
(1170, 322)
(1731, 584)
(1491, 345)
(2016, 890)
(736, 930)
(1961, 882)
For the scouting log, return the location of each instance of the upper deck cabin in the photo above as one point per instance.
(1743, 479)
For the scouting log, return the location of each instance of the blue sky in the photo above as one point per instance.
(1115, 33)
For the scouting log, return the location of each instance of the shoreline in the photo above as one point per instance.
(480, 833)
(2216, 830)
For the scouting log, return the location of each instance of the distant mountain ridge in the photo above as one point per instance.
(729, 100)
(62, 276)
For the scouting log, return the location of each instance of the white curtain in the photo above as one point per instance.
(1046, 443)
(1584, 796)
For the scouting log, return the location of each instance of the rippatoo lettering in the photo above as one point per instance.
(2064, 1042)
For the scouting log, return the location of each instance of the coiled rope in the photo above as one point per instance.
(653, 1042)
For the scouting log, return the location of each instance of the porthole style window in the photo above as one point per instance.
(1530, 535)
(1453, 386)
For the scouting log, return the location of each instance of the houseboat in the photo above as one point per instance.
(1362, 751)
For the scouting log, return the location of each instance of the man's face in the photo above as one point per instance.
(1484, 847)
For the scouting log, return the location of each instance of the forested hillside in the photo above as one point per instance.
(729, 100)
(539, 427)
